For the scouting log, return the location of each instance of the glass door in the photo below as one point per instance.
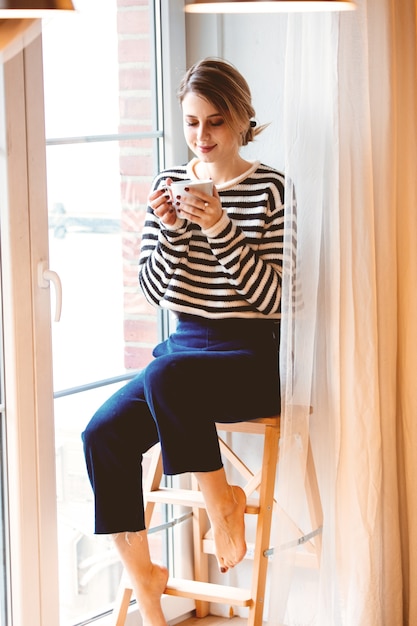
(103, 129)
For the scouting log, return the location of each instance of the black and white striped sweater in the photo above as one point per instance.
(232, 269)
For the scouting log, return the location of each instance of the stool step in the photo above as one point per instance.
(188, 497)
(208, 592)
(208, 548)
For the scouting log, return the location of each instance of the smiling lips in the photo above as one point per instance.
(206, 149)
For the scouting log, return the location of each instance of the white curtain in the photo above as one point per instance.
(349, 347)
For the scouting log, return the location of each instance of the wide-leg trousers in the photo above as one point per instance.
(207, 371)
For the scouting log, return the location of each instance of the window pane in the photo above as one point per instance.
(102, 153)
(81, 70)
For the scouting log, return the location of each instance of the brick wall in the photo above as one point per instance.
(137, 169)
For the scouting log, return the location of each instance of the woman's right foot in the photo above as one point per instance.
(228, 525)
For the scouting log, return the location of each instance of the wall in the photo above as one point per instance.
(137, 167)
(255, 44)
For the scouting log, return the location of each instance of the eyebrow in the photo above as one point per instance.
(196, 116)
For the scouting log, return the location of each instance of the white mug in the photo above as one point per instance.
(178, 188)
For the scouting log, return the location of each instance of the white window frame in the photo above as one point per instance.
(27, 342)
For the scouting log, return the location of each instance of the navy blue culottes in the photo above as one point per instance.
(206, 371)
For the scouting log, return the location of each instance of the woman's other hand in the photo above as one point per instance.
(161, 204)
(199, 207)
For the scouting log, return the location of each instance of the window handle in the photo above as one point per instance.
(47, 276)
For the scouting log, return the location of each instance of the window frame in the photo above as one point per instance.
(27, 345)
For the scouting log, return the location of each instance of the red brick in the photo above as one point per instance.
(132, 220)
(130, 246)
(135, 193)
(134, 164)
(131, 275)
(135, 78)
(137, 358)
(133, 22)
(133, 50)
(135, 108)
(132, 3)
(140, 331)
(136, 304)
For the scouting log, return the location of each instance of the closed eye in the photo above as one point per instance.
(214, 122)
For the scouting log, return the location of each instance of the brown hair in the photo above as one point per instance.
(221, 84)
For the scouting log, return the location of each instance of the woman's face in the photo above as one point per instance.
(206, 131)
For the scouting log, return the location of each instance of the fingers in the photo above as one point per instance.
(161, 204)
(199, 207)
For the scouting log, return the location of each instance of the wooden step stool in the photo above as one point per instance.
(262, 481)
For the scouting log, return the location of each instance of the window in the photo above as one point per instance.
(102, 152)
(104, 145)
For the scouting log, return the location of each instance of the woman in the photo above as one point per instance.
(216, 261)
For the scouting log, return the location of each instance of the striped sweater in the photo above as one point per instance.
(232, 269)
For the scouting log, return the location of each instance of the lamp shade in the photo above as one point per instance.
(268, 6)
(22, 9)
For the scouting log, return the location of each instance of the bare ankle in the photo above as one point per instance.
(148, 592)
(148, 579)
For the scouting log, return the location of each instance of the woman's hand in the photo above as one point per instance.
(161, 203)
(199, 207)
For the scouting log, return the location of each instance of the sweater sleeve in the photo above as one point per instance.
(161, 250)
(254, 271)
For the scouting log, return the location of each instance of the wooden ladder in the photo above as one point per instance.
(261, 481)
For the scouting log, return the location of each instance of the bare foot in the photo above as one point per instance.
(148, 595)
(228, 524)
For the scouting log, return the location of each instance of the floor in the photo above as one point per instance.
(212, 620)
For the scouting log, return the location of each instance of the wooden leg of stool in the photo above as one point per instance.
(263, 527)
(121, 605)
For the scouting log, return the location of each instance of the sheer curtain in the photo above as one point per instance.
(349, 347)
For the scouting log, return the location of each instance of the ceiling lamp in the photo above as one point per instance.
(27, 9)
(271, 6)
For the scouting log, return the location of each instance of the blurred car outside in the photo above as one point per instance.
(63, 223)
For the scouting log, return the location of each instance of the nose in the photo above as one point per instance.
(202, 132)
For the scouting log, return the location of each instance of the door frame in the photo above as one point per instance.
(27, 341)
